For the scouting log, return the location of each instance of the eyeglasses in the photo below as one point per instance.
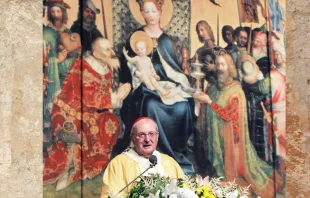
(143, 135)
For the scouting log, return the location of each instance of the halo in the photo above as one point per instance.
(167, 8)
(141, 36)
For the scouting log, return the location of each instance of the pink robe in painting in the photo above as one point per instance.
(278, 89)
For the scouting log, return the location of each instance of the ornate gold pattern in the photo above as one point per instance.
(92, 121)
(94, 130)
(87, 117)
(110, 127)
(72, 112)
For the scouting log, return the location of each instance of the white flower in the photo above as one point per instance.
(203, 181)
(171, 188)
(218, 193)
(244, 196)
(232, 194)
(154, 196)
(186, 193)
(173, 196)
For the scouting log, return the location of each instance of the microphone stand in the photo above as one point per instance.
(151, 166)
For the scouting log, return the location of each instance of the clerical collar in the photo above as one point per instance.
(144, 163)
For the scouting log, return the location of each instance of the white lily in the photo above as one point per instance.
(232, 194)
(171, 188)
(186, 193)
(203, 181)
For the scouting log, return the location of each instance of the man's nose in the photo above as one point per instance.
(147, 138)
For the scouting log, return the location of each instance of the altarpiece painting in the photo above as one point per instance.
(210, 73)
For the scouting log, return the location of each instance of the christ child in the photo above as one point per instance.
(142, 45)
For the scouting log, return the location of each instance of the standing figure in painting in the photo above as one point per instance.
(86, 26)
(205, 35)
(230, 150)
(260, 52)
(142, 45)
(228, 37)
(58, 60)
(277, 97)
(241, 36)
(83, 128)
(258, 128)
(207, 53)
(175, 121)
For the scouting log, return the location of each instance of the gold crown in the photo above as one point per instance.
(158, 2)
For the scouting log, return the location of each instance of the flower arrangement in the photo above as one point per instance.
(157, 186)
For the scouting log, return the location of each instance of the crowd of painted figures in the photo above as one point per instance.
(238, 124)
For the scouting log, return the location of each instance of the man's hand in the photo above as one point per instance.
(62, 56)
(259, 76)
(211, 67)
(202, 97)
(123, 91)
(45, 82)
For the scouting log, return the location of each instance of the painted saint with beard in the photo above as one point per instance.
(241, 36)
(229, 147)
(58, 60)
(83, 127)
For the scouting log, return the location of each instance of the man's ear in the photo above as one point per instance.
(95, 54)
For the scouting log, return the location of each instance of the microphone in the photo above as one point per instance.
(153, 160)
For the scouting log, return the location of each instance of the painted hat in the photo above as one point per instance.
(249, 68)
(92, 6)
(58, 3)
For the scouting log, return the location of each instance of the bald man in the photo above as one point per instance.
(82, 115)
(134, 160)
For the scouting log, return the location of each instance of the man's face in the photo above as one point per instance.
(228, 37)
(203, 33)
(56, 13)
(257, 43)
(222, 69)
(88, 16)
(278, 57)
(105, 50)
(242, 39)
(145, 138)
(141, 48)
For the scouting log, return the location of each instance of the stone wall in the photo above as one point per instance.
(21, 98)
